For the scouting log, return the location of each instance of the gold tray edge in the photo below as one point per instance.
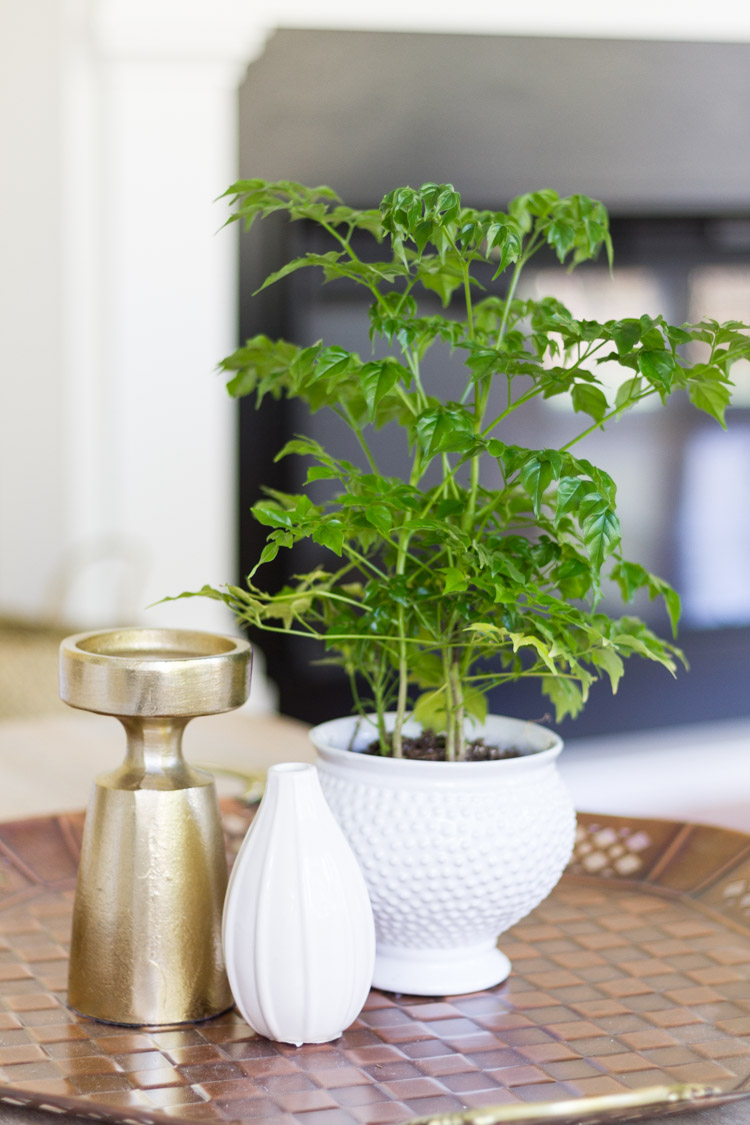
(634, 1105)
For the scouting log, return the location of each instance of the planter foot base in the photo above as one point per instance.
(439, 972)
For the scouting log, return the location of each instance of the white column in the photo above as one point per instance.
(150, 431)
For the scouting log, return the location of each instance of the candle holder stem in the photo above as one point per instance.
(154, 756)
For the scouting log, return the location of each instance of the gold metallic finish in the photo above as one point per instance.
(148, 672)
(146, 940)
(634, 1105)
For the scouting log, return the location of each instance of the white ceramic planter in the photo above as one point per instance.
(298, 935)
(453, 853)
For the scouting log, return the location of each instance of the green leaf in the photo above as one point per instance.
(326, 261)
(589, 400)
(261, 366)
(657, 365)
(454, 579)
(644, 646)
(476, 705)
(449, 507)
(378, 378)
(380, 517)
(485, 629)
(442, 276)
(272, 515)
(322, 472)
(276, 540)
(528, 640)
(506, 239)
(573, 578)
(565, 694)
(601, 534)
(570, 492)
(330, 534)
(533, 204)
(304, 446)
(302, 367)
(677, 336)
(712, 397)
(269, 553)
(672, 604)
(632, 577)
(561, 236)
(628, 393)
(335, 361)
(607, 659)
(537, 474)
(444, 430)
(430, 710)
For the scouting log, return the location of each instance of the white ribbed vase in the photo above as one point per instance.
(453, 853)
(298, 934)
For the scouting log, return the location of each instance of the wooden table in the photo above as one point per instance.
(47, 765)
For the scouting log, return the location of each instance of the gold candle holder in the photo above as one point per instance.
(146, 940)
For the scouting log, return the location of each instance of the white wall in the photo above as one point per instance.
(117, 461)
(720, 21)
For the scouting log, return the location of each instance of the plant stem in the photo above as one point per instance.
(511, 294)
(614, 413)
(363, 443)
(450, 729)
(534, 392)
(458, 708)
(403, 682)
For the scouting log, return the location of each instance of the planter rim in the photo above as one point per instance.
(539, 750)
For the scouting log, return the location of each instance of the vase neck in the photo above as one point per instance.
(293, 777)
(154, 757)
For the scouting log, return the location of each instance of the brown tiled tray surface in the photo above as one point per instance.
(634, 973)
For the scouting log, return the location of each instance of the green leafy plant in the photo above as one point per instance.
(432, 594)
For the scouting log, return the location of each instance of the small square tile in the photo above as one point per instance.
(360, 1095)
(303, 1101)
(520, 1076)
(92, 1084)
(440, 1103)
(382, 1113)
(172, 1096)
(470, 1080)
(164, 1076)
(597, 1086)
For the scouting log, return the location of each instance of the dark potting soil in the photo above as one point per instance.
(430, 747)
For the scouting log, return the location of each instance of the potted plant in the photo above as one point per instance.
(484, 563)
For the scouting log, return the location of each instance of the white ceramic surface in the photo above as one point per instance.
(298, 932)
(453, 853)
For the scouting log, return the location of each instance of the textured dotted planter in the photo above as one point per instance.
(453, 853)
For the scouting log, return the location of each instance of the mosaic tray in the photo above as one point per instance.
(633, 976)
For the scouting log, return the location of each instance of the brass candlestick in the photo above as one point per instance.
(146, 941)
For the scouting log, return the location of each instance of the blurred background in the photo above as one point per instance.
(126, 473)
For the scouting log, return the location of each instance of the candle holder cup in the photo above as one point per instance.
(146, 939)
